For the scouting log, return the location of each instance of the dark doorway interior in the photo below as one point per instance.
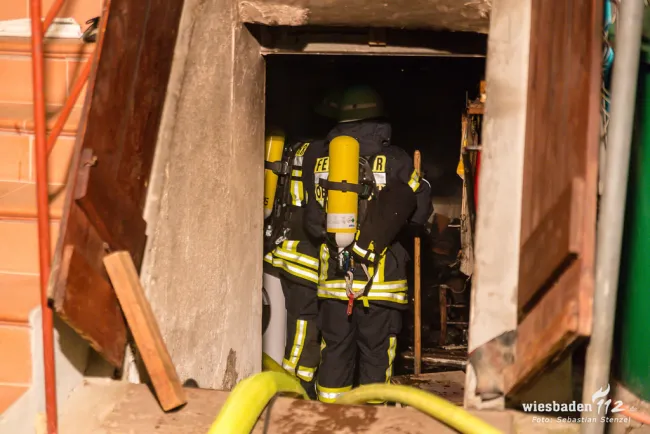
(424, 99)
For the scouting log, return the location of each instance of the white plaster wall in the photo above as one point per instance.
(498, 225)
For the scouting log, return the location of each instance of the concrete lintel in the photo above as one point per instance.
(470, 16)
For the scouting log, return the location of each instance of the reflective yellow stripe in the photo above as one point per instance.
(287, 366)
(298, 343)
(290, 245)
(391, 286)
(392, 343)
(301, 372)
(359, 251)
(324, 262)
(294, 256)
(296, 270)
(297, 193)
(379, 276)
(297, 190)
(393, 297)
(305, 373)
(363, 252)
(269, 258)
(330, 394)
(414, 182)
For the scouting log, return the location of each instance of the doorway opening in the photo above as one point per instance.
(425, 98)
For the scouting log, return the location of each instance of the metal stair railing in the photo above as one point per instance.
(43, 146)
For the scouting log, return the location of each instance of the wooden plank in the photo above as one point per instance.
(79, 289)
(150, 88)
(120, 224)
(144, 328)
(552, 327)
(87, 293)
(554, 244)
(115, 144)
(442, 339)
(561, 155)
(78, 232)
(143, 43)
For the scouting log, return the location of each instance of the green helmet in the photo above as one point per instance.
(360, 102)
(329, 106)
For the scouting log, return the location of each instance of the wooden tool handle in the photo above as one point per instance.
(417, 308)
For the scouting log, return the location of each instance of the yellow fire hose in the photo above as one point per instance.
(249, 398)
(268, 364)
(432, 405)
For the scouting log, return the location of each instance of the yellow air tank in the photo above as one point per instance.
(273, 150)
(342, 207)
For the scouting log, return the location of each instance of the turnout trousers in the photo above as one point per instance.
(369, 335)
(302, 350)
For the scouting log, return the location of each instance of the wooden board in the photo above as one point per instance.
(560, 183)
(144, 328)
(554, 244)
(113, 155)
(551, 328)
(87, 292)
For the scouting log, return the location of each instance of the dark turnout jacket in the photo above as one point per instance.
(401, 197)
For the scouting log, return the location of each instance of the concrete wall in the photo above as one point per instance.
(203, 270)
(496, 256)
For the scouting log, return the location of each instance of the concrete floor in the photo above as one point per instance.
(111, 407)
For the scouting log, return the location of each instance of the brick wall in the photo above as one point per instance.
(19, 280)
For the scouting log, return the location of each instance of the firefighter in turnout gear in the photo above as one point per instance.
(294, 257)
(362, 285)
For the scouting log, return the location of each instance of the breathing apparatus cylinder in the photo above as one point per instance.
(342, 206)
(273, 149)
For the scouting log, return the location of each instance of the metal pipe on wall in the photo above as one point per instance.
(42, 200)
(612, 209)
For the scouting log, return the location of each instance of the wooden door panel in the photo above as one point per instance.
(111, 164)
(560, 184)
(554, 245)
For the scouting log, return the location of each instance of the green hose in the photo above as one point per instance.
(436, 407)
(249, 398)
